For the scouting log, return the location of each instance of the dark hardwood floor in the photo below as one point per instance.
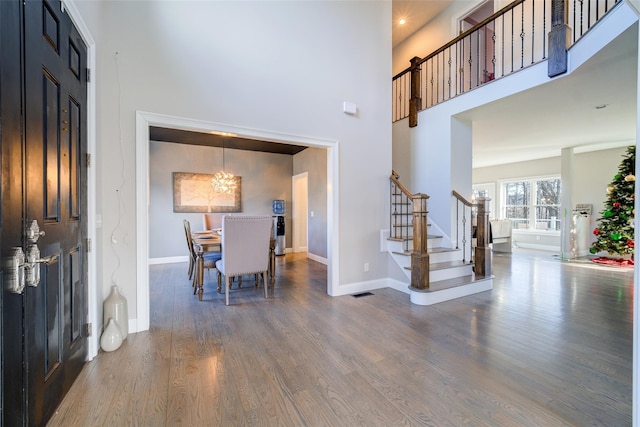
(551, 345)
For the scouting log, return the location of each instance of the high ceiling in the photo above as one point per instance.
(416, 13)
(565, 112)
(539, 123)
(531, 125)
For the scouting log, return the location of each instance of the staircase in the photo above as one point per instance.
(449, 272)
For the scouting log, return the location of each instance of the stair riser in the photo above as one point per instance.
(450, 273)
(434, 257)
(435, 242)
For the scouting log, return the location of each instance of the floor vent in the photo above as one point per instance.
(364, 294)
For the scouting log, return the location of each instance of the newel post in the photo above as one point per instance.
(482, 258)
(559, 38)
(415, 102)
(419, 255)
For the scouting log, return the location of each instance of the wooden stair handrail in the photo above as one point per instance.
(396, 179)
(462, 199)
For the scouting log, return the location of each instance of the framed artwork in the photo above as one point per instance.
(193, 192)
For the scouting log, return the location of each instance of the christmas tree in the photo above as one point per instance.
(615, 226)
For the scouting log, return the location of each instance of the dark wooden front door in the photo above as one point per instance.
(51, 169)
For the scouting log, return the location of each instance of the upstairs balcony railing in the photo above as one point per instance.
(514, 38)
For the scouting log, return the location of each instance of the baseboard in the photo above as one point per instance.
(399, 286)
(435, 297)
(371, 285)
(549, 248)
(317, 258)
(169, 260)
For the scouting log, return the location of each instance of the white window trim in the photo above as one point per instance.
(503, 198)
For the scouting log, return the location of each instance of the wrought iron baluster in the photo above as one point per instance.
(464, 234)
(444, 73)
(431, 61)
(512, 38)
(581, 15)
(470, 61)
(485, 72)
(477, 64)
(493, 59)
(573, 27)
(461, 66)
(449, 76)
(502, 49)
(437, 78)
(533, 31)
(457, 68)
(457, 224)
(522, 34)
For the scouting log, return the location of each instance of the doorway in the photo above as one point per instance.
(144, 120)
(300, 201)
(476, 54)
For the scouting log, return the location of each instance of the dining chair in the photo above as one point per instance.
(209, 258)
(210, 221)
(245, 249)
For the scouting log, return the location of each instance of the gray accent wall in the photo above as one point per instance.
(314, 162)
(265, 177)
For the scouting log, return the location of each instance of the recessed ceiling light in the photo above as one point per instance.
(601, 106)
(402, 21)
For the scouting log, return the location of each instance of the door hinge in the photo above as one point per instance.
(88, 75)
(88, 329)
(88, 244)
(88, 160)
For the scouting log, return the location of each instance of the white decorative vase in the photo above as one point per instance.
(115, 307)
(111, 338)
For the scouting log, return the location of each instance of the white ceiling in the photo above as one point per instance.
(417, 13)
(540, 122)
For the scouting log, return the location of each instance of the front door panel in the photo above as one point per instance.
(55, 191)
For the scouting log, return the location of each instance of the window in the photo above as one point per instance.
(532, 204)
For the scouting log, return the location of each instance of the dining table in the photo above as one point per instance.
(210, 241)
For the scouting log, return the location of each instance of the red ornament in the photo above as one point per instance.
(596, 231)
(631, 243)
(616, 204)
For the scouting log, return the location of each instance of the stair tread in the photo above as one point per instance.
(399, 239)
(402, 239)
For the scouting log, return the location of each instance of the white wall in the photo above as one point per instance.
(276, 66)
(593, 172)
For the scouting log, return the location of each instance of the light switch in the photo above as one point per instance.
(349, 107)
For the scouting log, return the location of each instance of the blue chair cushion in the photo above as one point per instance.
(212, 256)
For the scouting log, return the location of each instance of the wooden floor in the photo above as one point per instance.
(551, 345)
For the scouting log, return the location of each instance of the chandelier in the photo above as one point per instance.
(224, 182)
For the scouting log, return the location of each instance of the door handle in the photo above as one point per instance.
(22, 269)
(14, 271)
(32, 265)
(32, 232)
